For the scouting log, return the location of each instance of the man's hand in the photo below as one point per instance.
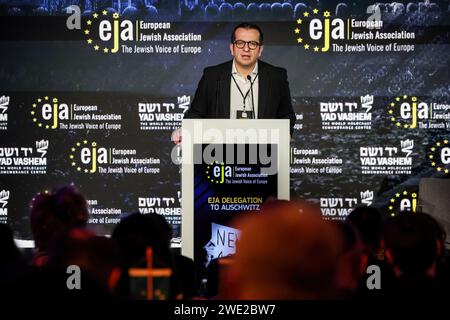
(176, 136)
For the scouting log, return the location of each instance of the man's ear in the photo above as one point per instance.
(231, 49)
(260, 51)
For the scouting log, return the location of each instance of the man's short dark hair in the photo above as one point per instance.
(248, 26)
(369, 223)
(412, 237)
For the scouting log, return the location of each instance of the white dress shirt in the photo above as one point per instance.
(236, 99)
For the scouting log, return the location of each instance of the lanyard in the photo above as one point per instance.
(240, 91)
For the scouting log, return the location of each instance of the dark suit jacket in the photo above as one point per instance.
(212, 98)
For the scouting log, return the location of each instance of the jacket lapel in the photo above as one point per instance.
(225, 81)
(263, 89)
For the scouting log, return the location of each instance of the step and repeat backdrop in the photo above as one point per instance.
(90, 92)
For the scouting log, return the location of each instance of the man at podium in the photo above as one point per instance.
(243, 88)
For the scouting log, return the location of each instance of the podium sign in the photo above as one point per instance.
(229, 168)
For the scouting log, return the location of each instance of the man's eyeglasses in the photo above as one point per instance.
(252, 45)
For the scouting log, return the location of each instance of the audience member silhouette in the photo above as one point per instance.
(52, 212)
(96, 256)
(367, 220)
(284, 254)
(44, 225)
(134, 234)
(369, 223)
(412, 250)
(352, 263)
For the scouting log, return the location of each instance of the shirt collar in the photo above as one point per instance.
(253, 73)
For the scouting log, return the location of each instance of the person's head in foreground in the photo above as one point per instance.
(286, 254)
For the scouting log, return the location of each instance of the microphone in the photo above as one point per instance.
(251, 89)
